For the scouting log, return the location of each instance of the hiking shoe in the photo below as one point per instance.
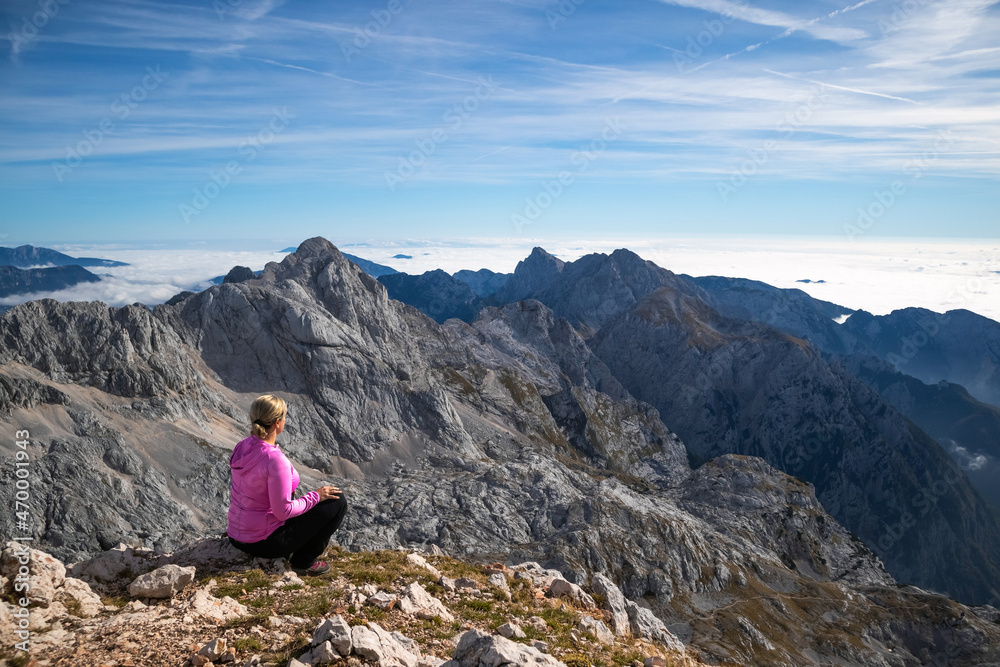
(318, 567)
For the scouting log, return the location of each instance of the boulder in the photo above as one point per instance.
(373, 643)
(597, 629)
(111, 565)
(647, 625)
(46, 574)
(416, 560)
(383, 600)
(562, 588)
(163, 582)
(416, 601)
(511, 631)
(87, 601)
(337, 632)
(614, 602)
(206, 605)
(478, 649)
(214, 649)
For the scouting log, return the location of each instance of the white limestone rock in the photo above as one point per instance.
(163, 582)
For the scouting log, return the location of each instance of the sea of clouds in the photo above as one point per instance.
(877, 275)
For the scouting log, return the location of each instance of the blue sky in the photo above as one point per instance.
(245, 120)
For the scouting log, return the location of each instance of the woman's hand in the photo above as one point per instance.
(328, 493)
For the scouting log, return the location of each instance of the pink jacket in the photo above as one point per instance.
(263, 483)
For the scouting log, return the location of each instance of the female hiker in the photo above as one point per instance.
(264, 521)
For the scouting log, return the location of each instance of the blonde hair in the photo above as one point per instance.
(265, 412)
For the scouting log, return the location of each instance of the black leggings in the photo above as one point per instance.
(302, 538)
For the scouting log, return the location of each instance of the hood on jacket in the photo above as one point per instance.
(249, 452)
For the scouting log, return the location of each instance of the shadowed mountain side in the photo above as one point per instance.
(15, 281)
(789, 310)
(728, 385)
(435, 294)
(483, 282)
(967, 429)
(958, 346)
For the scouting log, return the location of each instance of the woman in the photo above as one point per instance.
(263, 519)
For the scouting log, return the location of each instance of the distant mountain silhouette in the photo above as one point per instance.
(15, 281)
(29, 256)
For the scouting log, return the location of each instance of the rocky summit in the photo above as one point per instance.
(519, 440)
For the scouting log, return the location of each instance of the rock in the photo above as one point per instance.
(375, 644)
(647, 625)
(562, 588)
(466, 582)
(416, 601)
(336, 631)
(112, 564)
(478, 649)
(292, 662)
(539, 576)
(214, 649)
(252, 661)
(417, 560)
(539, 624)
(204, 604)
(500, 581)
(289, 578)
(227, 657)
(511, 631)
(163, 582)
(597, 629)
(655, 661)
(87, 601)
(541, 646)
(322, 653)
(614, 602)
(383, 600)
(46, 573)
(448, 584)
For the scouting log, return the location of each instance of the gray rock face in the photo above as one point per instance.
(239, 274)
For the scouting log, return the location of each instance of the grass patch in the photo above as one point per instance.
(311, 605)
(292, 587)
(261, 602)
(253, 580)
(248, 645)
(117, 601)
(259, 618)
(74, 607)
(626, 657)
